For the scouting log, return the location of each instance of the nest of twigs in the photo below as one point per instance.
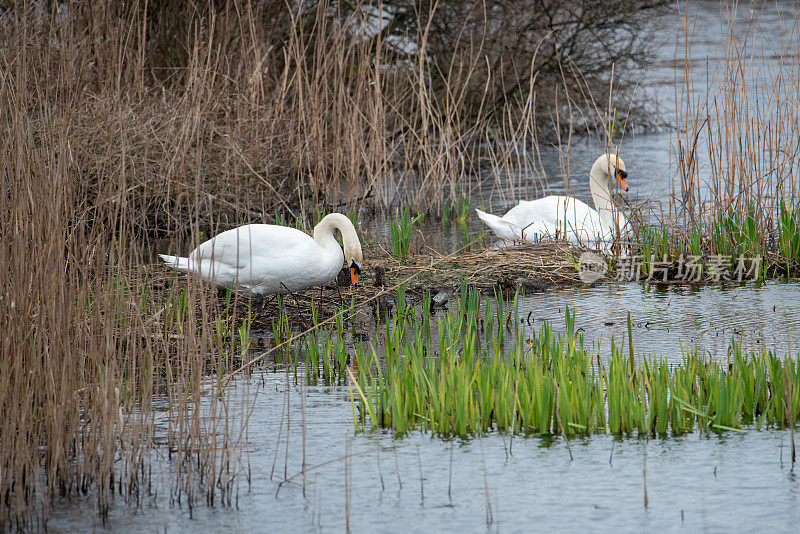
(526, 267)
(536, 267)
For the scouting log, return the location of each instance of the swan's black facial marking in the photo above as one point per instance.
(354, 265)
(621, 175)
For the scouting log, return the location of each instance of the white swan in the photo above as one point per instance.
(566, 218)
(266, 259)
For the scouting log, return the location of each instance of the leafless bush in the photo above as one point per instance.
(516, 47)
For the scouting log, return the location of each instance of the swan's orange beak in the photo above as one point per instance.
(621, 175)
(355, 270)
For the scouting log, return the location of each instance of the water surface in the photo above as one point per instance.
(709, 482)
(667, 319)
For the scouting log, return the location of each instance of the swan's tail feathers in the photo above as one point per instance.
(501, 227)
(494, 222)
(488, 218)
(176, 262)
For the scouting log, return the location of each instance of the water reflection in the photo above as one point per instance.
(667, 318)
(420, 483)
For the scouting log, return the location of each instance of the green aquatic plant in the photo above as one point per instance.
(691, 242)
(545, 383)
(728, 246)
(176, 310)
(655, 247)
(400, 233)
(281, 331)
(280, 218)
(353, 216)
(735, 234)
(461, 210)
(457, 210)
(615, 127)
(789, 230)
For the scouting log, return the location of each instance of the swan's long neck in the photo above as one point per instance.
(609, 214)
(325, 238)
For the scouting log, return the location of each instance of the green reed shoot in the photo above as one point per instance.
(695, 241)
(461, 210)
(456, 211)
(735, 234)
(280, 218)
(789, 231)
(655, 247)
(474, 383)
(400, 233)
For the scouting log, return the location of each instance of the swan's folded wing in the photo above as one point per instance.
(237, 247)
(289, 260)
(254, 254)
(556, 216)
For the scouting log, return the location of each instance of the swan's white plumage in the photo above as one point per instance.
(267, 259)
(561, 217)
(565, 218)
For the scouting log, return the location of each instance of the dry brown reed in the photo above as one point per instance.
(231, 111)
(85, 360)
(738, 126)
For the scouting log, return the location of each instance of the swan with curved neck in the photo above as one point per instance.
(267, 259)
(567, 218)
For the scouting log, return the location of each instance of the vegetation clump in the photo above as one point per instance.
(400, 234)
(486, 375)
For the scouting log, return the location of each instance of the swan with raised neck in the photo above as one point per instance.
(605, 170)
(567, 218)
